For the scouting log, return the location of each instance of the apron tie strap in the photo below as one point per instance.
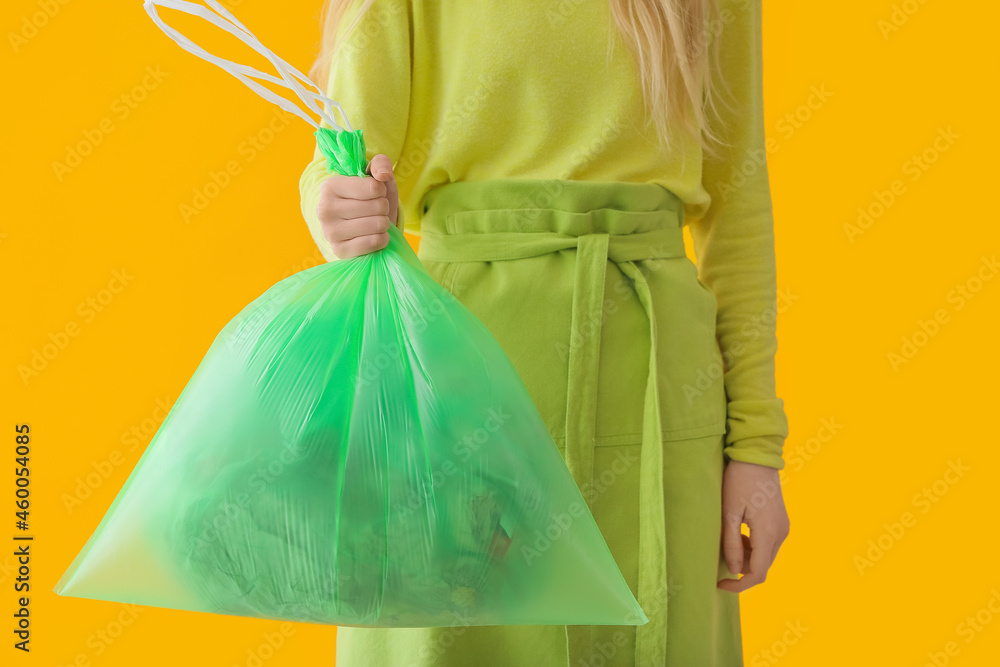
(594, 250)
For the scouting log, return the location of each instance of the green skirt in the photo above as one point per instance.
(587, 288)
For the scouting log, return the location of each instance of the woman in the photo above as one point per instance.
(548, 155)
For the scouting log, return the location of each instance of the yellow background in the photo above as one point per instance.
(871, 444)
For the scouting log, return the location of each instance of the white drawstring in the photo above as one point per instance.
(316, 102)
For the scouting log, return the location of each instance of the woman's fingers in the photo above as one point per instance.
(355, 212)
(355, 227)
(341, 209)
(764, 513)
(732, 540)
(352, 187)
(762, 547)
(381, 169)
(360, 245)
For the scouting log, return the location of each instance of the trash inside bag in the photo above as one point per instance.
(355, 448)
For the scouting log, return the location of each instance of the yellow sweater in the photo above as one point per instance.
(465, 91)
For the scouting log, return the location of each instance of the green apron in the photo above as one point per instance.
(587, 287)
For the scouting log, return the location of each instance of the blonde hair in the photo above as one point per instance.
(675, 46)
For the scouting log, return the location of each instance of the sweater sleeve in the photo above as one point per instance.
(370, 76)
(734, 246)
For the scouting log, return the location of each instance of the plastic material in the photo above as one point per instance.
(344, 151)
(355, 448)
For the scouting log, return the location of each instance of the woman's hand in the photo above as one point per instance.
(355, 212)
(751, 494)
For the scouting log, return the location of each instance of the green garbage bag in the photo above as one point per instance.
(354, 449)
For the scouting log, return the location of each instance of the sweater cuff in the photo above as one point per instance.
(756, 431)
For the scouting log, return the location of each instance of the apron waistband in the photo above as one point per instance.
(624, 223)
